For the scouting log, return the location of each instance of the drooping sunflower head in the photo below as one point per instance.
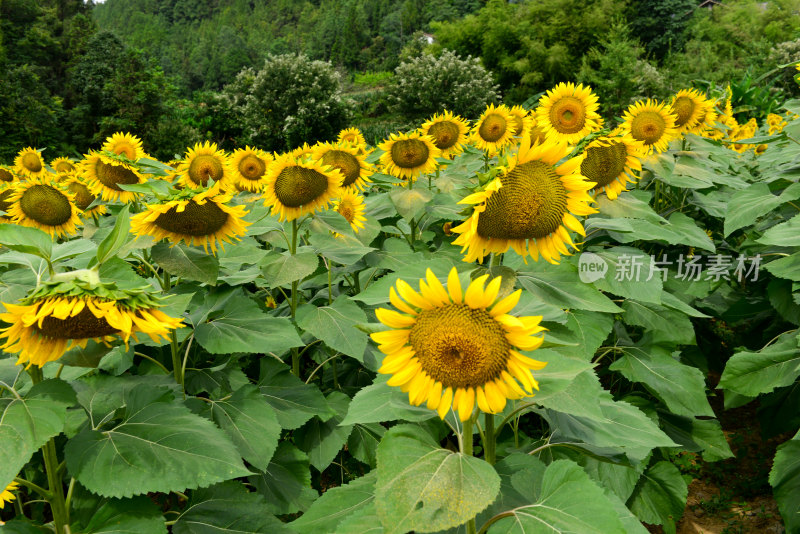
(494, 129)
(689, 108)
(651, 123)
(7, 174)
(29, 162)
(351, 206)
(348, 160)
(522, 120)
(83, 196)
(203, 163)
(449, 133)
(352, 136)
(63, 166)
(406, 156)
(530, 207)
(249, 167)
(451, 348)
(294, 188)
(568, 112)
(124, 144)
(104, 178)
(610, 162)
(45, 204)
(194, 216)
(6, 190)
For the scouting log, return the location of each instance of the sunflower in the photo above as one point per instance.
(7, 495)
(352, 136)
(7, 174)
(522, 120)
(536, 132)
(104, 177)
(61, 315)
(29, 162)
(351, 206)
(198, 218)
(249, 166)
(63, 166)
(6, 190)
(530, 207)
(124, 144)
(689, 108)
(449, 133)
(303, 153)
(568, 112)
(204, 162)
(83, 196)
(651, 123)
(449, 348)
(776, 123)
(346, 158)
(494, 129)
(44, 204)
(406, 156)
(295, 188)
(609, 163)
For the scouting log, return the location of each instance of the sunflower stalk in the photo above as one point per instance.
(293, 303)
(490, 440)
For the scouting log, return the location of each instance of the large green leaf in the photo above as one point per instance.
(294, 402)
(342, 249)
(749, 204)
(665, 325)
(285, 268)
(227, 508)
(156, 446)
(186, 262)
(564, 289)
(696, 435)
(410, 202)
(121, 516)
(250, 422)
(322, 440)
(786, 267)
(336, 325)
(785, 479)
(336, 505)
(786, 234)
(425, 488)
(573, 390)
(660, 495)
(119, 235)
(27, 240)
(751, 373)
(378, 402)
(363, 442)
(286, 483)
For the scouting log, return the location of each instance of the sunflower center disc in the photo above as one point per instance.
(531, 204)
(32, 162)
(603, 164)
(298, 186)
(46, 205)
(683, 108)
(83, 197)
(409, 153)
(195, 220)
(518, 124)
(84, 325)
(347, 211)
(124, 149)
(648, 127)
(111, 175)
(568, 115)
(460, 346)
(4, 204)
(205, 167)
(493, 127)
(445, 134)
(6, 176)
(347, 164)
(64, 166)
(251, 167)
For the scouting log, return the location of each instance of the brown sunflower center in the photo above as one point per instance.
(83, 197)
(32, 162)
(648, 127)
(124, 148)
(84, 325)
(530, 204)
(4, 203)
(568, 115)
(683, 108)
(205, 167)
(347, 210)
(445, 134)
(410, 153)
(6, 176)
(518, 124)
(64, 166)
(112, 175)
(46, 205)
(460, 346)
(297, 186)
(196, 219)
(347, 164)
(493, 127)
(251, 167)
(603, 164)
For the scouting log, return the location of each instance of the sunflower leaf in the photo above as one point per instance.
(785, 479)
(286, 483)
(660, 495)
(186, 262)
(139, 514)
(337, 505)
(751, 373)
(117, 238)
(335, 325)
(27, 240)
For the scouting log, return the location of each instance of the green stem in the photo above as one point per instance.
(466, 450)
(177, 365)
(30, 485)
(489, 440)
(330, 275)
(153, 360)
(293, 303)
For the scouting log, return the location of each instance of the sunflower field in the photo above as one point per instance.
(526, 323)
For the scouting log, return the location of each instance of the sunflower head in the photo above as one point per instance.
(568, 112)
(347, 159)
(124, 144)
(7, 495)
(29, 162)
(83, 196)
(45, 204)
(530, 207)
(451, 348)
(689, 108)
(494, 129)
(105, 176)
(203, 163)
(449, 133)
(650, 123)
(521, 119)
(303, 153)
(610, 162)
(351, 206)
(406, 156)
(7, 174)
(63, 166)
(294, 188)
(249, 167)
(352, 136)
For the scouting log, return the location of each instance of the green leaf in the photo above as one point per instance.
(342, 249)
(155, 447)
(363, 442)
(336, 505)
(332, 221)
(27, 240)
(117, 238)
(363, 521)
(378, 402)
(629, 204)
(286, 484)
(378, 292)
(564, 289)
(424, 488)
(119, 516)
(227, 508)
(785, 479)
(788, 267)
(285, 268)
(322, 441)
(590, 330)
(570, 388)
(294, 401)
(623, 277)
(186, 262)
(749, 204)
(660, 495)
(696, 435)
(70, 249)
(250, 422)
(410, 202)
(335, 325)
(786, 234)
(752, 373)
